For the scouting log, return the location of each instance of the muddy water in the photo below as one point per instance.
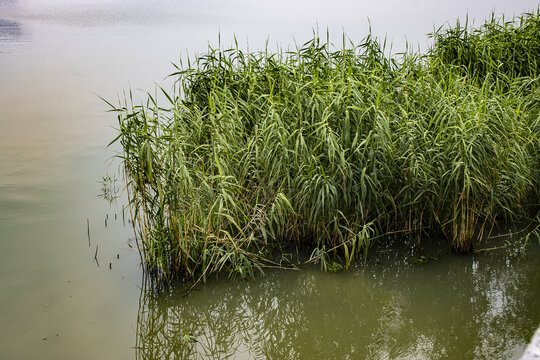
(56, 302)
(481, 307)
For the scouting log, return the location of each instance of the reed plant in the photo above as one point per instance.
(500, 48)
(330, 148)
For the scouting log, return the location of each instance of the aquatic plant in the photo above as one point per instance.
(109, 188)
(505, 49)
(330, 149)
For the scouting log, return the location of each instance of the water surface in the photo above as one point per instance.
(56, 56)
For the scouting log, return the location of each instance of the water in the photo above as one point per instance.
(458, 308)
(55, 302)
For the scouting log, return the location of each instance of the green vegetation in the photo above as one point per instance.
(333, 148)
(420, 260)
(502, 49)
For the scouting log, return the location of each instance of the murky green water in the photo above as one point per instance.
(55, 302)
(453, 308)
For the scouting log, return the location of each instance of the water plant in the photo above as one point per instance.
(331, 148)
(500, 48)
(420, 260)
(109, 188)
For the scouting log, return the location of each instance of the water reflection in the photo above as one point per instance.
(454, 308)
(10, 30)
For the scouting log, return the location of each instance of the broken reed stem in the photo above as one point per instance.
(95, 256)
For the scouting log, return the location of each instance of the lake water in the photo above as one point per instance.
(57, 57)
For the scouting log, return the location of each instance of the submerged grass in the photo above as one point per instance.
(332, 148)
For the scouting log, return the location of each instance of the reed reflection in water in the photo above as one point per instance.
(471, 307)
(10, 30)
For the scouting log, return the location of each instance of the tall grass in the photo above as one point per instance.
(506, 49)
(330, 149)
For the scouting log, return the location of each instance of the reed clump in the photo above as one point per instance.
(331, 149)
(504, 49)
